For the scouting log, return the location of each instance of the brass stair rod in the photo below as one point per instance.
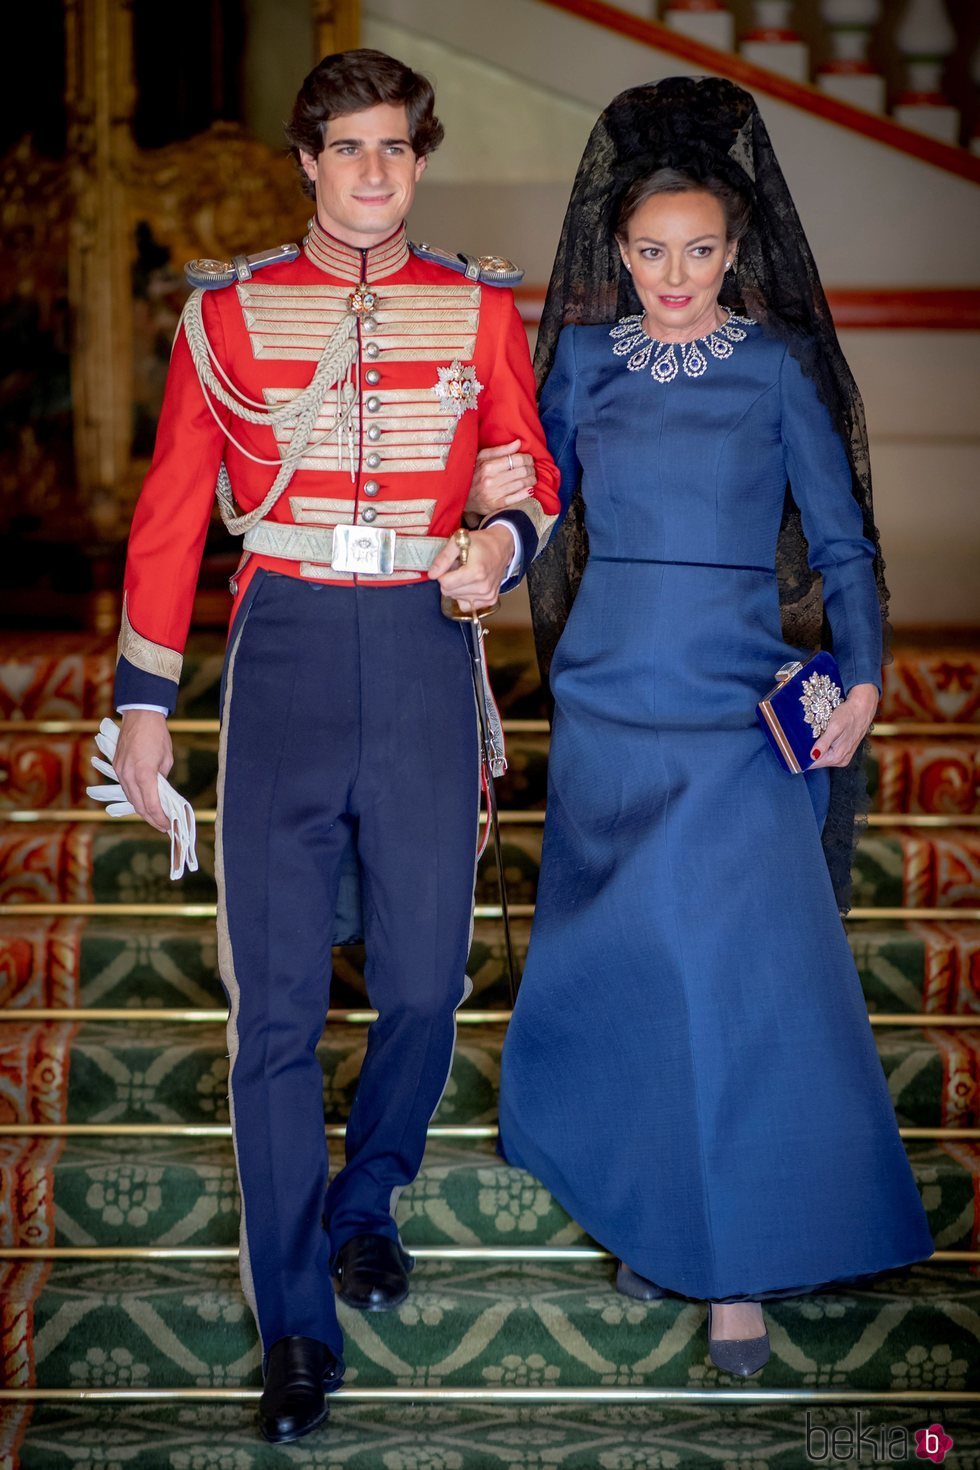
(517, 817)
(489, 1253)
(891, 1397)
(482, 911)
(884, 729)
(467, 1016)
(335, 1130)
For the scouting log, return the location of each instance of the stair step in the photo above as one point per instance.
(925, 774)
(162, 962)
(49, 772)
(67, 676)
(183, 1192)
(177, 1074)
(76, 862)
(917, 774)
(531, 1324)
(931, 684)
(455, 1436)
(152, 963)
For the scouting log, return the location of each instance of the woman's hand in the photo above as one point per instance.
(846, 728)
(502, 478)
(477, 584)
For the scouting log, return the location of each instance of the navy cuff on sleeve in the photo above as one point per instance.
(528, 536)
(135, 686)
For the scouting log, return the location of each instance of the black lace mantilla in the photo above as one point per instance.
(708, 126)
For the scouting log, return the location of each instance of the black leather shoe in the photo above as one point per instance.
(299, 1371)
(372, 1273)
(631, 1283)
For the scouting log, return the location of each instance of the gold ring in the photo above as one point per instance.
(510, 461)
(462, 539)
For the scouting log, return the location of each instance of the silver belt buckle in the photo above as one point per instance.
(364, 551)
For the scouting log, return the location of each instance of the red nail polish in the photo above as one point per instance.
(815, 753)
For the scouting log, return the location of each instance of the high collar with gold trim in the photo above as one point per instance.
(348, 263)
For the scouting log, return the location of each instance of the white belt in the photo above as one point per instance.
(367, 550)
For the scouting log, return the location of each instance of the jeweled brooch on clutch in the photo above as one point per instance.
(819, 699)
(458, 388)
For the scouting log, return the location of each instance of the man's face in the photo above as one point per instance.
(365, 174)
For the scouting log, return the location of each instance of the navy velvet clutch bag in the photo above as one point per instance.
(795, 713)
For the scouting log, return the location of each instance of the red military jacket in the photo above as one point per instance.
(441, 370)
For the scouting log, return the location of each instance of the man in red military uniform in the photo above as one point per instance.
(338, 395)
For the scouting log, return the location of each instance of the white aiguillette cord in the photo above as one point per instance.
(179, 812)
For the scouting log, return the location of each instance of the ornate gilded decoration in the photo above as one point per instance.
(458, 387)
(152, 658)
(336, 26)
(819, 699)
(37, 470)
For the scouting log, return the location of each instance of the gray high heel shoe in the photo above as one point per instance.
(741, 1356)
(631, 1283)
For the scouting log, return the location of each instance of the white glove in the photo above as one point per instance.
(180, 813)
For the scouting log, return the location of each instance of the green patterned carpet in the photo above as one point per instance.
(168, 1073)
(523, 1324)
(563, 1437)
(183, 1192)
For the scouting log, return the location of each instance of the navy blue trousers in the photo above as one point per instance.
(348, 719)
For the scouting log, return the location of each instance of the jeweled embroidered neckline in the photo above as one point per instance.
(667, 359)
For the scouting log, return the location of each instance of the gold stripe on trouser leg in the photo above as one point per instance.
(467, 982)
(226, 969)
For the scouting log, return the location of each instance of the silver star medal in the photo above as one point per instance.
(457, 388)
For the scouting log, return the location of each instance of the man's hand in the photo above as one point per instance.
(144, 752)
(478, 583)
(502, 478)
(846, 728)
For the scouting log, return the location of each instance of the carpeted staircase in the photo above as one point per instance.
(118, 1199)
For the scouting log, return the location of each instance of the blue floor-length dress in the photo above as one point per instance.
(690, 1068)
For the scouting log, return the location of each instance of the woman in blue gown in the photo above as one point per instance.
(690, 1068)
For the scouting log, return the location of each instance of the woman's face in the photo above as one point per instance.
(677, 252)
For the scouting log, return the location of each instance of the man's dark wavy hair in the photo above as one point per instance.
(353, 81)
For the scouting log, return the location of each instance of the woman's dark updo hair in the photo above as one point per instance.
(736, 205)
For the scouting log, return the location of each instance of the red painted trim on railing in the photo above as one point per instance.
(956, 310)
(798, 94)
(919, 311)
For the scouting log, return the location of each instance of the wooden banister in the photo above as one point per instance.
(797, 94)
